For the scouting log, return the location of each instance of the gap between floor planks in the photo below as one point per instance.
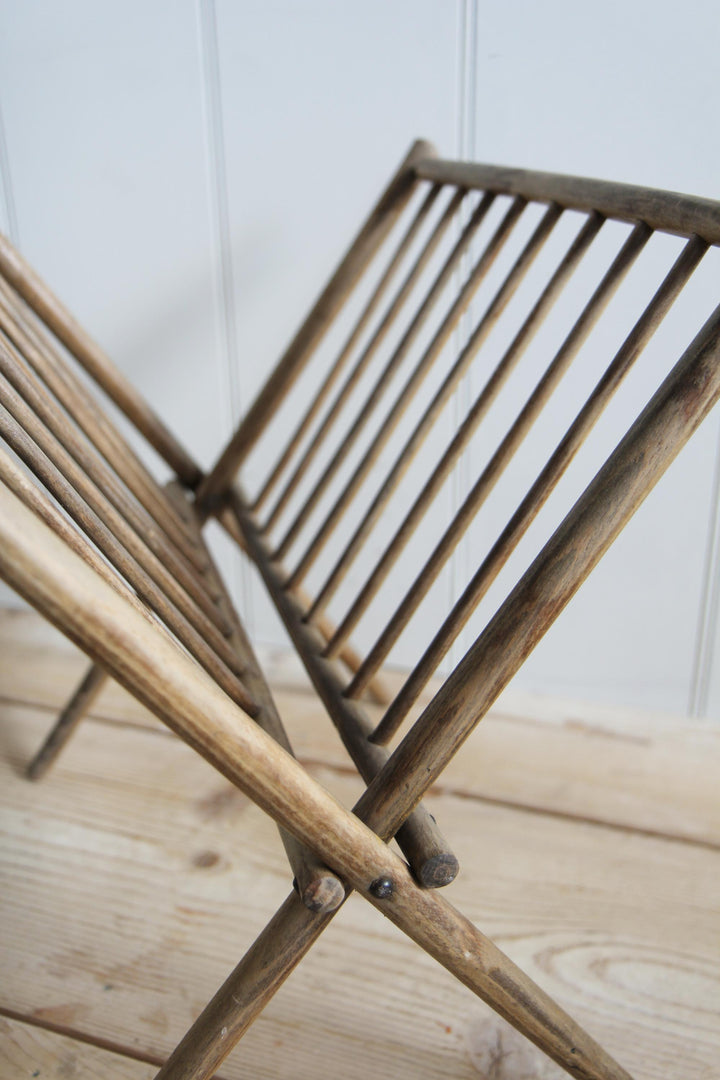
(136, 876)
(635, 770)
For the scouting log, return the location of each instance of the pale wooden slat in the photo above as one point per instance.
(624, 767)
(30, 1051)
(331, 377)
(669, 211)
(146, 877)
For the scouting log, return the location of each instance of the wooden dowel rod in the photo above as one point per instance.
(492, 472)
(318, 887)
(75, 506)
(377, 690)
(344, 355)
(78, 402)
(374, 231)
(404, 459)
(63, 588)
(607, 504)
(87, 459)
(664, 210)
(464, 434)
(130, 553)
(53, 313)
(37, 500)
(408, 391)
(77, 707)
(420, 838)
(544, 485)
(334, 412)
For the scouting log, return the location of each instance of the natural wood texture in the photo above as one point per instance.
(636, 771)
(135, 841)
(497, 305)
(153, 544)
(35, 562)
(78, 707)
(675, 411)
(49, 308)
(373, 232)
(346, 351)
(419, 837)
(666, 210)
(391, 366)
(466, 430)
(26, 1050)
(69, 390)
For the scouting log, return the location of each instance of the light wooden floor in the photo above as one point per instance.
(134, 877)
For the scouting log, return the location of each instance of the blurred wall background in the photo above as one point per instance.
(185, 173)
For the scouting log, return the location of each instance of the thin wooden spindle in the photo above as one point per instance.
(405, 396)
(376, 228)
(38, 500)
(419, 838)
(318, 887)
(415, 441)
(77, 707)
(464, 434)
(99, 366)
(124, 538)
(541, 490)
(446, 545)
(60, 426)
(338, 366)
(96, 425)
(370, 350)
(672, 415)
(64, 491)
(57, 583)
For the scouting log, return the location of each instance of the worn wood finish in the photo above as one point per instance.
(346, 351)
(484, 484)
(465, 432)
(335, 411)
(419, 838)
(372, 234)
(667, 211)
(157, 550)
(75, 398)
(319, 889)
(545, 483)
(66, 328)
(495, 309)
(53, 579)
(89, 463)
(411, 386)
(78, 707)
(673, 414)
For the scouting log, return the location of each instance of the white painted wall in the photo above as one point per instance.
(186, 173)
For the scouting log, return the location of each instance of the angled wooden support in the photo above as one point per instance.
(120, 564)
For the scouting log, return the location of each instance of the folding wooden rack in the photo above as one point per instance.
(120, 564)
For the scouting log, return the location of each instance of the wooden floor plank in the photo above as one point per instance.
(30, 1051)
(635, 770)
(134, 877)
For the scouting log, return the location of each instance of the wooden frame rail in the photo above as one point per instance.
(451, 254)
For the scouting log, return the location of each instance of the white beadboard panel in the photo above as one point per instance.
(105, 135)
(629, 96)
(320, 102)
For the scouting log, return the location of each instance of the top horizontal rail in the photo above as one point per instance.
(666, 211)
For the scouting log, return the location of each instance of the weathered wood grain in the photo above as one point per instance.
(624, 767)
(29, 1051)
(135, 875)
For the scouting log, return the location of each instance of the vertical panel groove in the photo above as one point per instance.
(222, 245)
(706, 633)
(7, 187)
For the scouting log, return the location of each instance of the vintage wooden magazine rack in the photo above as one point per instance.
(119, 563)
